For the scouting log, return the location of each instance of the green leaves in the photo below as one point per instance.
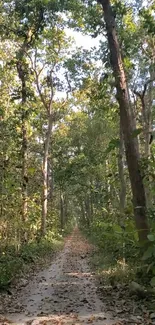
(148, 254)
(148, 19)
(153, 282)
(151, 237)
(136, 132)
(31, 170)
(113, 144)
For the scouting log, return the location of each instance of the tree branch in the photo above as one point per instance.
(142, 94)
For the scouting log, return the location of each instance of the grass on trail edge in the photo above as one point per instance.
(110, 267)
(13, 264)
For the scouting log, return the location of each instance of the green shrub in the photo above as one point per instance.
(13, 263)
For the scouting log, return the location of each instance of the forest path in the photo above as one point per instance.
(65, 292)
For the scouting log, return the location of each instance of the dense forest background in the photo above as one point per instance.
(77, 129)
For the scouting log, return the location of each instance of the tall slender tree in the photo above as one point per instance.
(132, 154)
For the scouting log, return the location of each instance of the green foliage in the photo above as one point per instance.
(86, 166)
(117, 249)
(153, 282)
(113, 144)
(148, 19)
(148, 257)
(137, 132)
(9, 266)
(13, 263)
(118, 240)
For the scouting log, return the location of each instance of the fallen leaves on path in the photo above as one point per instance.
(65, 293)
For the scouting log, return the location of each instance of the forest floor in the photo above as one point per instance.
(64, 293)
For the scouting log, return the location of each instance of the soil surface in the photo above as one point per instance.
(64, 293)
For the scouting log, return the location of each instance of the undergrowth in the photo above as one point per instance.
(112, 271)
(13, 263)
(116, 252)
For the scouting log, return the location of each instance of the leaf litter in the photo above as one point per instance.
(66, 292)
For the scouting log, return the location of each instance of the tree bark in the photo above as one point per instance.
(132, 156)
(61, 209)
(65, 208)
(51, 180)
(82, 211)
(108, 186)
(49, 110)
(45, 176)
(24, 151)
(146, 106)
(122, 194)
(146, 119)
(24, 173)
(87, 209)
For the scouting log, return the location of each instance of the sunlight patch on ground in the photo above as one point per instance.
(60, 283)
(80, 274)
(121, 266)
(71, 319)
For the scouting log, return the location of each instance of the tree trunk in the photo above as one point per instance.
(132, 156)
(61, 210)
(24, 151)
(91, 205)
(146, 106)
(65, 208)
(45, 177)
(51, 181)
(146, 111)
(24, 173)
(122, 194)
(146, 122)
(149, 103)
(87, 210)
(108, 186)
(146, 114)
(82, 211)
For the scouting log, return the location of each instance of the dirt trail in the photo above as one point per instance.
(64, 293)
